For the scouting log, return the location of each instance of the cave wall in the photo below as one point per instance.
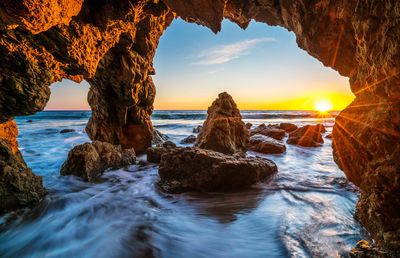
(111, 44)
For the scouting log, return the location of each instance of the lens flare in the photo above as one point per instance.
(323, 105)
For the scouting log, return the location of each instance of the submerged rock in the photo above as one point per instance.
(190, 139)
(154, 153)
(90, 160)
(194, 169)
(67, 131)
(197, 129)
(158, 137)
(224, 130)
(307, 136)
(264, 144)
(270, 130)
(288, 127)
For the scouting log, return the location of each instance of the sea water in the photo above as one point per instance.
(305, 211)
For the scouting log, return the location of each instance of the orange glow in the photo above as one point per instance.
(323, 105)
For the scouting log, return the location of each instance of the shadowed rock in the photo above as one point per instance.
(194, 169)
(249, 125)
(158, 137)
(288, 127)
(90, 160)
(67, 131)
(306, 136)
(190, 139)
(154, 153)
(270, 130)
(197, 129)
(19, 187)
(264, 144)
(224, 130)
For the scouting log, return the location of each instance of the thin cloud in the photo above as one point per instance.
(226, 53)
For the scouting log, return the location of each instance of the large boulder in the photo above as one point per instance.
(307, 136)
(264, 144)
(90, 160)
(194, 169)
(269, 130)
(154, 153)
(224, 130)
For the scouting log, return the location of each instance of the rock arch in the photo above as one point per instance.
(111, 44)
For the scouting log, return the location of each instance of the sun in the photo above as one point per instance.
(323, 105)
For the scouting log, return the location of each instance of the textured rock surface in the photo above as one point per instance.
(223, 130)
(194, 169)
(264, 144)
(158, 138)
(90, 160)
(154, 153)
(19, 187)
(307, 136)
(189, 140)
(112, 43)
(270, 130)
(288, 127)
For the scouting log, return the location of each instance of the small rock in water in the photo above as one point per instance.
(29, 121)
(90, 160)
(328, 136)
(249, 125)
(194, 169)
(67, 131)
(197, 129)
(154, 153)
(190, 139)
(288, 127)
(264, 144)
(270, 130)
(223, 130)
(158, 137)
(307, 136)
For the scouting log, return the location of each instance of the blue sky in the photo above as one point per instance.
(261, 67)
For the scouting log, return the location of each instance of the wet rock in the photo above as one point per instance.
(264, 144)
(328, 136)
(67, 131)
(249, 125)
(19, 186)
(288, 127)
(194, 169)
(190, 139)
(363, 249)
(270, 130)
(224, 130)
(321, 128)
(306, 136)
(90, 160)
(154, 153)
(197, 129)
(158, 137)
(29, 121)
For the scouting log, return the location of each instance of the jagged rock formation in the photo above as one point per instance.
(90, 160)
(307, 136)
(19, 187)
(194, 169)
(223, 130)
(154, 153)
(112, 43)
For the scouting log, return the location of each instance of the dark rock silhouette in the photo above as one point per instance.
(189, 140)
(154, 153)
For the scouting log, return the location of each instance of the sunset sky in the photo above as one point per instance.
(261, 67)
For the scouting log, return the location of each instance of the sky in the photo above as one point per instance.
(261, 67)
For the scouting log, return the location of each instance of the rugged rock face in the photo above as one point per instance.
(288, 127)
(90, 160)
(307, 136)
(194, 169)
(154, 153)
(19, 187)
(112, 43)
(264, 144)
(224, 130)
(189, 140)
(269, 130)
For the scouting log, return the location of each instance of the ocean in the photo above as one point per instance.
(306, 211)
